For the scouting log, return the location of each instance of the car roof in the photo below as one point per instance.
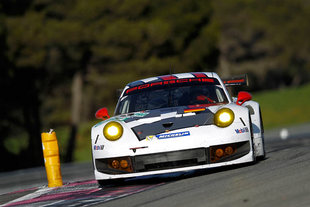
(173, 77)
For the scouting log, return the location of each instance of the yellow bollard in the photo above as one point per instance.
(51, 158)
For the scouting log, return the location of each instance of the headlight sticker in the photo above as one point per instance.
(173, 135)
(113, 131)
(224, 117)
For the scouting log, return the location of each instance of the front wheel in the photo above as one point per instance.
(252, 139)
(257, 132)
(263, 156)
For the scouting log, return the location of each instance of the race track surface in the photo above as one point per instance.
(282, 179)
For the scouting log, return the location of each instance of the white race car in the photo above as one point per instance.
(176, 123)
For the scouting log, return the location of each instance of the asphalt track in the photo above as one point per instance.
(282, 179)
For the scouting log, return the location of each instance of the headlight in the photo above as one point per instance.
(224, 117)
(113, 131)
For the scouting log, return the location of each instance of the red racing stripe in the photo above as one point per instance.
(167, 77)
(199, 75)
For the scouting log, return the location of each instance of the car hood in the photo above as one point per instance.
(153, 122)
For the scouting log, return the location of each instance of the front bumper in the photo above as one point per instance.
(182, 160)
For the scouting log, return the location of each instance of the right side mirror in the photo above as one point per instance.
(243, 97)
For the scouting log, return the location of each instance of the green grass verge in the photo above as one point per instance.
(83, 145)
(284, 107)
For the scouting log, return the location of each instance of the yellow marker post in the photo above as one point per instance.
(51, 158)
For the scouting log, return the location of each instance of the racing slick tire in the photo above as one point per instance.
(262, 157)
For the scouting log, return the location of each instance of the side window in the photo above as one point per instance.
(125, 107)
(220, 95)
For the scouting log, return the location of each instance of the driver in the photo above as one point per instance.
(200, 96)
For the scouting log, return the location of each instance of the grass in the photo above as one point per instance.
(83, 146)
(284, 107)
(16, 143)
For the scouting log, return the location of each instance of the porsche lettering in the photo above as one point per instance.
(169, 82)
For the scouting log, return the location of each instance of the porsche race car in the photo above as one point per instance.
(176, 123)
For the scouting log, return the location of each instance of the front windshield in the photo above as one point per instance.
(172, 95)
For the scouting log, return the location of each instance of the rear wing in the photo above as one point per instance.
(241, 80)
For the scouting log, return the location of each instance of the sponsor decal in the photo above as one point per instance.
(173, 135)
(140, 114)
(171, 81)
(98, 147)
(194, 110)
(132, 116)
(242, 130)
(150, 137)
(99, 124)
(121, 118)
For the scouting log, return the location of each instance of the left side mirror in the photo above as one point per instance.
(243, 97)
(102, 114)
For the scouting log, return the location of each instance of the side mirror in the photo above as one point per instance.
(102, 114)
(243, 97)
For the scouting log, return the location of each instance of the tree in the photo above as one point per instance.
(16, 87)
(266, 39)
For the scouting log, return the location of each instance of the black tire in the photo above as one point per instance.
(252, 138)
(262, 157)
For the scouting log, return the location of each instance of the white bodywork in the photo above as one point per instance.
(199, 137)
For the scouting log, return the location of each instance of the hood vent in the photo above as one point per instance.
(173, 123)
(168, 124)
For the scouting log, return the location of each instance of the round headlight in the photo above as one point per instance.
(113, 131)
(224, 117)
